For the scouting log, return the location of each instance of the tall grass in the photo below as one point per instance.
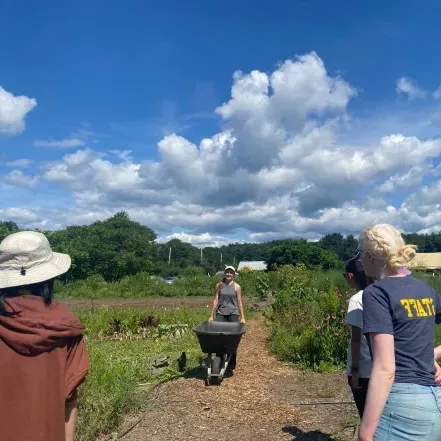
(307, 325)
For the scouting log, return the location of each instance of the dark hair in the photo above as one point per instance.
(354, 267)
(45, 290)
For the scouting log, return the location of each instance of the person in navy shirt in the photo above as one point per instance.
(399, 316)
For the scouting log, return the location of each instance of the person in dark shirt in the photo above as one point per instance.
(359, 362)
(399, 316)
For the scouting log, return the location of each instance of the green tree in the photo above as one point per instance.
(7, 228)
(114, 248)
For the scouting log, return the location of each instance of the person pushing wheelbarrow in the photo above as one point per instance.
(227, 305)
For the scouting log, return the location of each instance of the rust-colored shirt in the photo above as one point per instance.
(43, 359)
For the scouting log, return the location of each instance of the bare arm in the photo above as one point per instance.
(71, 416)
(239, 303)
(380, 383)
(437, 353)
(215, 302)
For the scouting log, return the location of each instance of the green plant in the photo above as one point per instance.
(262, 285)
(308, 319)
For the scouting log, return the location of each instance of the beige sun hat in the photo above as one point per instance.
(26, 258)
(229, 267)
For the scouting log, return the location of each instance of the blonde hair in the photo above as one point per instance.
(384, 241)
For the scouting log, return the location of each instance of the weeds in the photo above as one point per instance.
(119, 362)
(307, 324)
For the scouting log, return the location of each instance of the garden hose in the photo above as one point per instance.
(155, 389)
(321, 403)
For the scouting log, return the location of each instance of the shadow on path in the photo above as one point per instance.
(300, 435)
(197, 373)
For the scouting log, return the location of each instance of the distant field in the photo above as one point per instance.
(146, 302)
(203, 302)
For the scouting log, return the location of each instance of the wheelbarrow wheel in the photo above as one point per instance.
(216, 365)
(215, 381)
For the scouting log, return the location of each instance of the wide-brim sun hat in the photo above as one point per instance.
(27, 258)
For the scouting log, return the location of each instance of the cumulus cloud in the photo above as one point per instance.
(404, 182)
(13, 111)
(20, 215)
(17, 178)
(198, 240)
(278, 167)
(125, 155)
(409, 87)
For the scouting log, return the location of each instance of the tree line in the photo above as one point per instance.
(118, 247)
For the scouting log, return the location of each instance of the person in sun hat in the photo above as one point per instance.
(43, 358)
(227, 303)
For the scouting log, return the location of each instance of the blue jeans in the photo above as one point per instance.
(412, 413)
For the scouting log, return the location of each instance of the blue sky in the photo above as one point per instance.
(110, 77)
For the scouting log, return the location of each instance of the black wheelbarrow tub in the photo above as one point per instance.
(219, 337)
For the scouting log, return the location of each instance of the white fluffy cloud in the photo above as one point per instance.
(18, 215)
(13, 111)
(407, 86)
(279, 167)
(406, 181)
(198, 240)
(17, 178)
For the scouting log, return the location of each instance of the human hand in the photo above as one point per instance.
(365, 434)
(210, 319)
(242, 320)
(437, 373)
(354, 380)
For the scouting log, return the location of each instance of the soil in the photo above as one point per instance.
(257, 403)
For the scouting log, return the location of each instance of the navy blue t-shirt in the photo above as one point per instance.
(408, 309)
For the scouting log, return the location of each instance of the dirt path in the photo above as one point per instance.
(251, 405)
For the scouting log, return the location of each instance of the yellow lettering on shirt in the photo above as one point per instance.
(421, 312)
(405, 303)
(419, 307)
(413, 303)
(428, 304)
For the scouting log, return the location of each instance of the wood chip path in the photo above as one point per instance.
(251, 405)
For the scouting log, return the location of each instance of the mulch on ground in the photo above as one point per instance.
(254, 404)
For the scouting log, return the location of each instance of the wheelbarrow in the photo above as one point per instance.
(221, 339)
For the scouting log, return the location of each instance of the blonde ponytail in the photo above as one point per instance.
(397, 259)
(385, 242)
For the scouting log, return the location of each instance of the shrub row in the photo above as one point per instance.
(308, 317)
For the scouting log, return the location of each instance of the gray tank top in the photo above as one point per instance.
(227, 302)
